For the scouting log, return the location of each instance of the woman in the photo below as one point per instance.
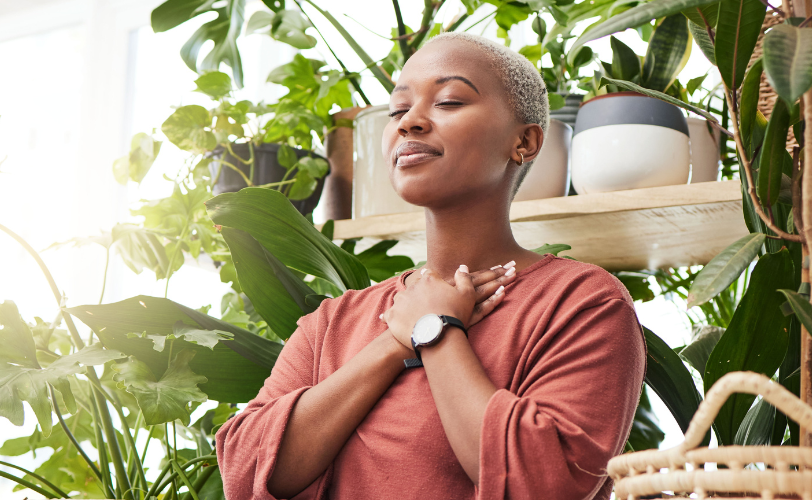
(530, 403)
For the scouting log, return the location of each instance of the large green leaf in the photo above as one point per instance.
(667, 53)
(625, 63)
(668, 377)
(756, 338)
(773, 154)
(736, 36)
(788, 60)
(699, 350)
(223, 31)
(757, 427)
(235, 369)
(748, 106)
(659, 95)
(646, 433)
(724, 269)
(634, 17)
(381, 266)
(270, 218)
(278, 295)
(173, 13)
(168, 398)
(700, 34)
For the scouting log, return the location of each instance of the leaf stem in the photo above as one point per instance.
(130, 442)
(39, 478)
(29, 485)
(201, 479)
(104, 278)
(105, 466)
(234, 168)
(430, 8)
(184, 479)
(272, 184)
(122, 481)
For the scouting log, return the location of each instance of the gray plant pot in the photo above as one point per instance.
(569, 112)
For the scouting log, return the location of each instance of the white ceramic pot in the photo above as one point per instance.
(372, 193)
(626, 140)
(704, 151)
(549, 176)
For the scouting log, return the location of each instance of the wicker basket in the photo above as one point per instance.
(680, 469)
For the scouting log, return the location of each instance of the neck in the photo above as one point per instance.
(477, 235)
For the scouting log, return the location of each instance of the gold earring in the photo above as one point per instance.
(521, 161)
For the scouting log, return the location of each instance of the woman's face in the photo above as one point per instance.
(452, 131)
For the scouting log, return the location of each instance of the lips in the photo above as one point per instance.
(414, 152)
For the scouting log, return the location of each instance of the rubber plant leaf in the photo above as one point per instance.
(163, 399)
(706, 14)
(667, 53)
(236, 369)
(724, 269)
(268, 216)
(635, 17)
(702, 39)
(755, 340)
(736, 35)
(748, 105)
(800, 306)
(772, 155)
(788, 61)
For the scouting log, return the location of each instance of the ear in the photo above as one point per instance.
(531, 141)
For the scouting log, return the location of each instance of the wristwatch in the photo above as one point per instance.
(428, 330)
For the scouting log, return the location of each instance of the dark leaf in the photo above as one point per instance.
(737, 32)
(772, 155)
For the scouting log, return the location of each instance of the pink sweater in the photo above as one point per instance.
(564, 349)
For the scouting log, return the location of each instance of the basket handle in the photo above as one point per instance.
(749, 383)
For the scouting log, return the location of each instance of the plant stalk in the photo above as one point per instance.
(29, 485)
(39, 478)
(104, 278)
(806, 215)
(122, 480)
(404, 44)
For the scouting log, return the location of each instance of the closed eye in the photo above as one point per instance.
(398, 112)
(450, 103)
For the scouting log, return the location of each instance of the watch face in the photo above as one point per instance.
(427, 328)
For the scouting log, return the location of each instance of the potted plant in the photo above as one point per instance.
(626, 140)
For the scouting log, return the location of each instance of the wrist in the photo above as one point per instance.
(393, 350)
(451, 335)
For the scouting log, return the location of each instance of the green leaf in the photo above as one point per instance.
(637, 284)
(270, 218)
(788, 61)
(635, 17)
(756, 338)
(235, 369)
(736, 35)
(286, 156)
(710, 13)
(16, 338)
(699, 350)
(304, 186)
(667, 53)
(214, 84)
(278, 295)
(724, 269)
(189, 128)
(748, 106)
(772, 155)
(554, 248)
(702, 39)
(173, 13)
(381, 266)
(223, 31)
(659, 95)
(139, 249)
(695, 83)
(625, 63)
(315, 167)
(539, 27)
(260, 21)
(800, 306)
(556, 101)
(288, 26)
(669, 378)
(206, 338)
(163, 399)
(509, 14)
(757, 427)
(646, 433)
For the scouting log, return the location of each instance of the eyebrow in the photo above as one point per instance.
(442, 80)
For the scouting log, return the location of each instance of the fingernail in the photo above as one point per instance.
(510, 271)
(499, 291)
(464, 268)
(510, 264)
(380, 317)
(423, 271)
(495, 267)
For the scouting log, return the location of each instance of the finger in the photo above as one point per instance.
(484, 276)
(463, 280)
(487, 306)
(487, 289)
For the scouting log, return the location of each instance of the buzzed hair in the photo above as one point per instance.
(526, 91)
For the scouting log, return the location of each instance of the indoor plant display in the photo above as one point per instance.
(625, 140)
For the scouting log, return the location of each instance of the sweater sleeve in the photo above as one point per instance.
(248, 444)
(572, 413)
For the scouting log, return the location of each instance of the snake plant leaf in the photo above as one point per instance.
(634, 17)
(755, 340)
(703, 40)
(235, 369)
(189, 128)
(25, 383)
(625, 63)
(277, 294)
(667, 53)
(772, 155)
(671, 380)
(748, 105)
(268, 216)
(659, 95)
(698, 351)
(724, 269)
(800, 306)
(163, 399)
(788, 61)
(757, 427)
(736, 35)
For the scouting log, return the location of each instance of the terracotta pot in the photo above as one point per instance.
(704, 151)
(549, 176)
(625, 140)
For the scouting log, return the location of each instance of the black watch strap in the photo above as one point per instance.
(451, 320)
(447, 321)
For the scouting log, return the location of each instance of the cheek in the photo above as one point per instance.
(390, 137)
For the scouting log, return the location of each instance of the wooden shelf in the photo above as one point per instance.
(646, 228)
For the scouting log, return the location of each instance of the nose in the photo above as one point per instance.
(414, 121)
